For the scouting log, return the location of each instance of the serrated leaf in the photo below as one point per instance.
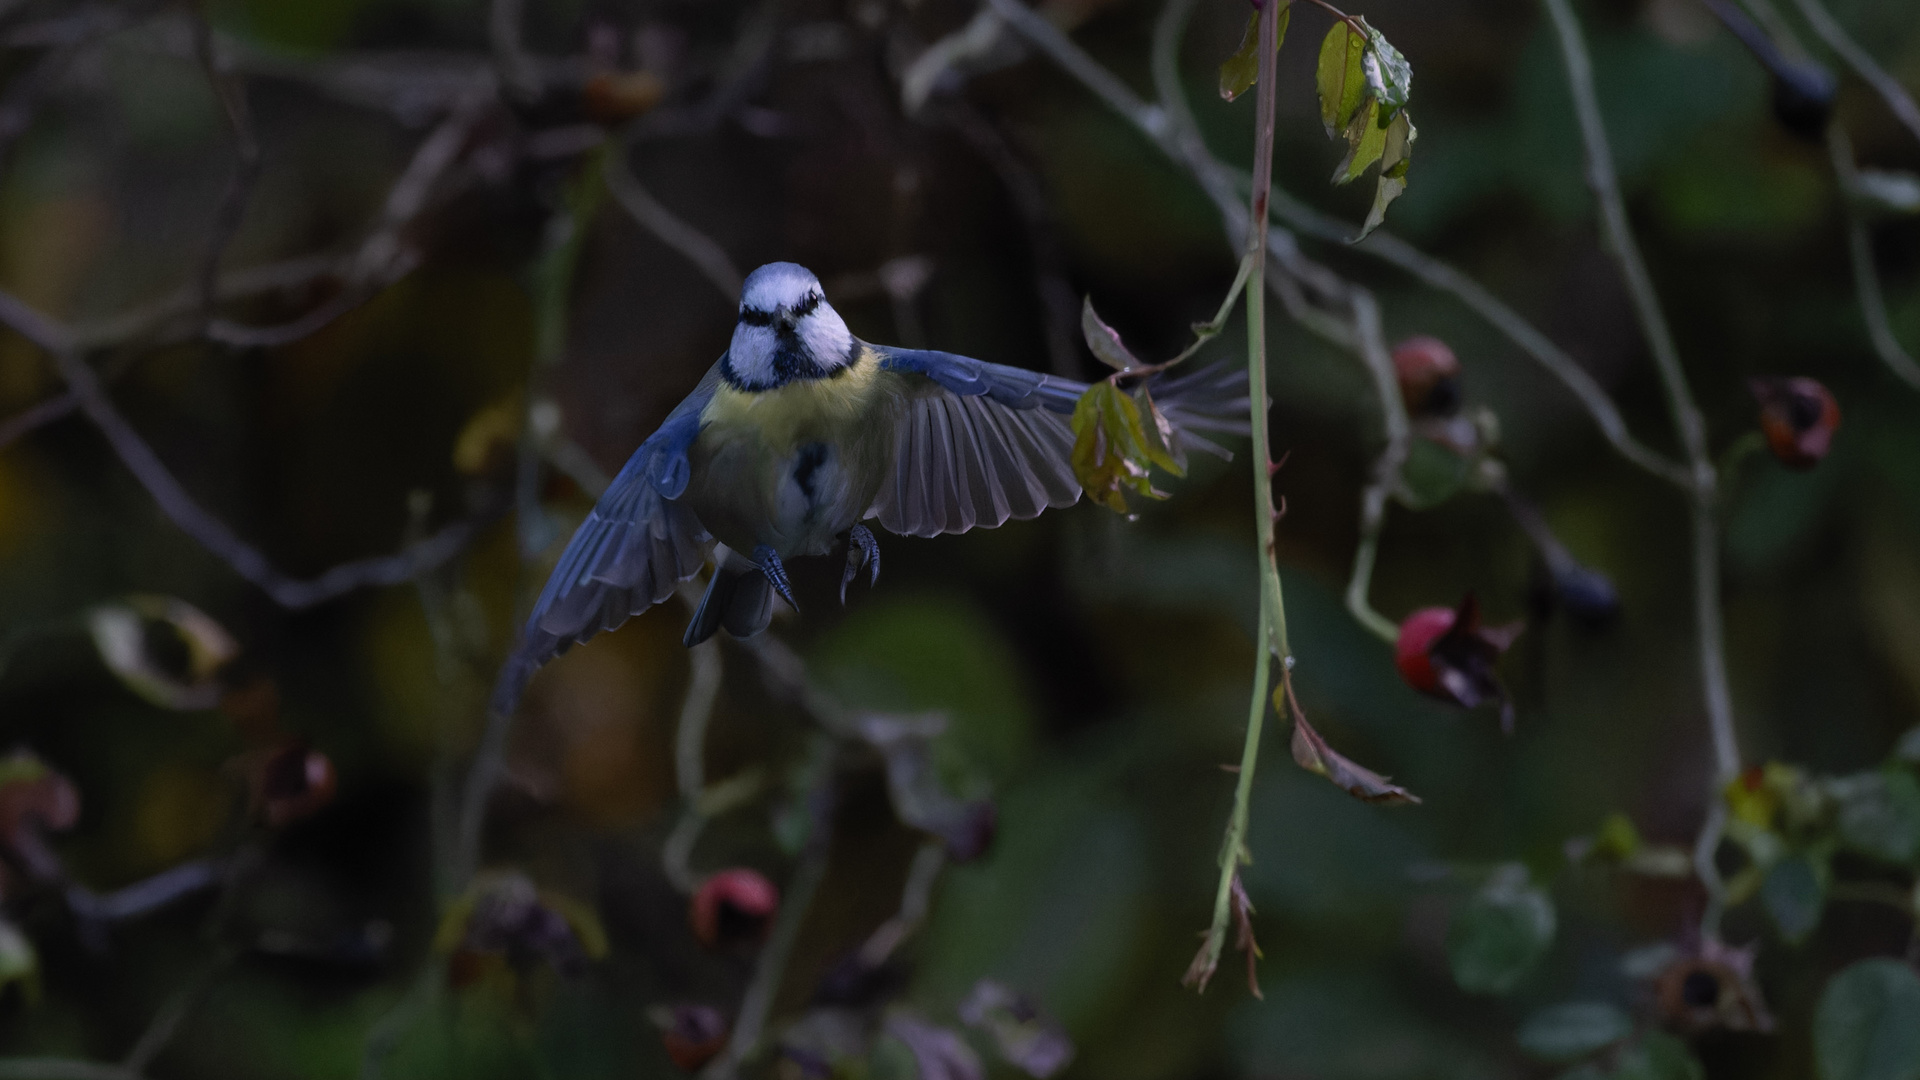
(1394, 159)
(1389, 76)
(1340, 77)
(1794, 894)
(1868, 1024)
(1104, 340)
(1499, 935)
(1242, 70)
(1111, 455)
(1574, 1030)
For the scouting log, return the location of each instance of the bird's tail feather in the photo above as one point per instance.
(738, 600)
(1211, 399)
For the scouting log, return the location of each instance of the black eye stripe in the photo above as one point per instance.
(756, 317)
(805, 307)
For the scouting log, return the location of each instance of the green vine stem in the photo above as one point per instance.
(1271, 635)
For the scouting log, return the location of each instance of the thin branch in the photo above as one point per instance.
(1866, 276)
(167, 1021)
(515, 68)
(1373, 516)
(1687, 421)
(232, 94)
(700, 249)
(1863, 64)
(1271, 636)
(915, 898)
(214, 535)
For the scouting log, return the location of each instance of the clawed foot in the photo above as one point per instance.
(769, 563)
(861, 548)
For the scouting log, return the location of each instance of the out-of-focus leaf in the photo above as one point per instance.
(1111, 451)
(487, 441)
(1499, 934)
(1340, 77)
(913, 783)
(1886, 191)
(163, 649)
(938, 1053)
(1026, 1039)
(1908, 748)
(19, 964)
(1389, 76)
(506, 915)
(1794, 894)
(1394, 159)
(825, 1041)
(1104, 340)
(1432, 473)
(1868, 1024)
(1312, 753)
(1880, 814)
(1574, 1030)
(1241, 70)
(1659, 1056)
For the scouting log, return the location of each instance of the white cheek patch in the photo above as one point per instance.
(826, 338)
(751, 354)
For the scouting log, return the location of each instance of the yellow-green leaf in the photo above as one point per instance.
(1110, 451)
(1242, 69)
(1395, 156)
(1340, 77)
(1366, 141)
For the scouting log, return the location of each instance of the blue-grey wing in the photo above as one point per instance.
(976, 445)
(636, 545)
(979, 444)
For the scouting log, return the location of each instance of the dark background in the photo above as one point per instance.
(1096, 668)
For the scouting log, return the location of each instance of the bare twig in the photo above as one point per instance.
(147, 895)
(915, 897)
(700, 249)
(166, 1022)
(232, 94)
(516, 69)
(1866, 276)
(1863, 64)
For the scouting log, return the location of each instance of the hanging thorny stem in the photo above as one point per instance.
(1688, 425)
(1271, 634)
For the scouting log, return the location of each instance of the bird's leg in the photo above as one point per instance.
(861, 548)
(769, 562)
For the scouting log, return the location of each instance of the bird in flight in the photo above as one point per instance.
(799, 434)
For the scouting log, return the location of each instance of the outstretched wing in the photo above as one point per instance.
(977, 445)
(630, 552)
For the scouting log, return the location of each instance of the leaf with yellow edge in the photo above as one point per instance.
(1242, 69)
(1111, 451)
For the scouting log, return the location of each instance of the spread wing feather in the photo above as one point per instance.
(630, 552)
(980, 444)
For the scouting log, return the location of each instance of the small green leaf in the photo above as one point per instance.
(1242, 69)
(1104, 340)
(1659, 1056)
(1880, 814)
(1794, 893)
(1340, 77)
(1868, 1024)
(1395, 156)
(1389, 76)
(1498, 936)
(1366, 142)
(1432, 473)
(1574, 1030)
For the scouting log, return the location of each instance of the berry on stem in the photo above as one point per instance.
(1798, 417)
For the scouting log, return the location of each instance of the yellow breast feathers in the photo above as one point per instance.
(799, 411)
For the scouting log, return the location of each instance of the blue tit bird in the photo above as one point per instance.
(799, 434)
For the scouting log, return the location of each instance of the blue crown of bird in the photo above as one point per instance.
(795, 438)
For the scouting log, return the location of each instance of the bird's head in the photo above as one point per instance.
(787, 331)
